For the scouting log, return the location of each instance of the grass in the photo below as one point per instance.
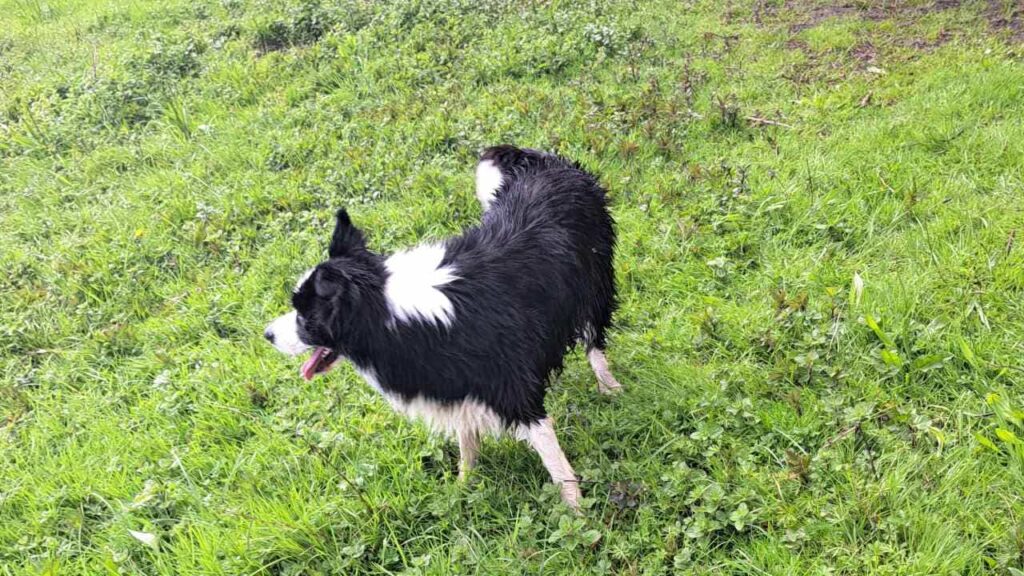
(821, 267)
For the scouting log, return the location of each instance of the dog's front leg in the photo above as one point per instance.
(469, 448)
(541, 435)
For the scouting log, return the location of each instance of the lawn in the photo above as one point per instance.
(821, 263)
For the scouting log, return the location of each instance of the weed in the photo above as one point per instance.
(177, 116)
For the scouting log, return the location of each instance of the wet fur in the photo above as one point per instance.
(526, 284)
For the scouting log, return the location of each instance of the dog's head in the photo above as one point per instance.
(328, 300)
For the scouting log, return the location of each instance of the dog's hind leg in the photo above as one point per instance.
(469, 449)
(541, 436)
(606, 382)
(597, 319)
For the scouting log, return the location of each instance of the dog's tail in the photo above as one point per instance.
(500, 165)
(495, 169)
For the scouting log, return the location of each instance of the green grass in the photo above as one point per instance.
(168, 168)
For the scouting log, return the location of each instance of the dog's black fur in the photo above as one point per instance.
(532, 279)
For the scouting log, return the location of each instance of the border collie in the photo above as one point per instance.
(466, 333)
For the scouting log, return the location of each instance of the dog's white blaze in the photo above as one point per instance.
(302, 279)
(468, 415)
(412, 288)
(488, 181)
(286, 334)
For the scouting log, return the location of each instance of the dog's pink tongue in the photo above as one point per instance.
(309, 367)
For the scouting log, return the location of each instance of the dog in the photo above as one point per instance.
(466, 334)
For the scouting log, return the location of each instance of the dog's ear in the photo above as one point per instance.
(347, 238)
(329, 281)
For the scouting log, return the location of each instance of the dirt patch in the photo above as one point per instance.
(864, 52)
(903, 9)
(811, 15)
(820, 14)
(1007, 17)
(795, 44)
(926, 44)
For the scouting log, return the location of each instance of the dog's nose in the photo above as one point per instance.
(268, 335)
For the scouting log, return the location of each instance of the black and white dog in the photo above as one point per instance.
(466, 333)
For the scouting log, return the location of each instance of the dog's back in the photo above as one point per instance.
(551, 217)
(534, 277)
(544, 189)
